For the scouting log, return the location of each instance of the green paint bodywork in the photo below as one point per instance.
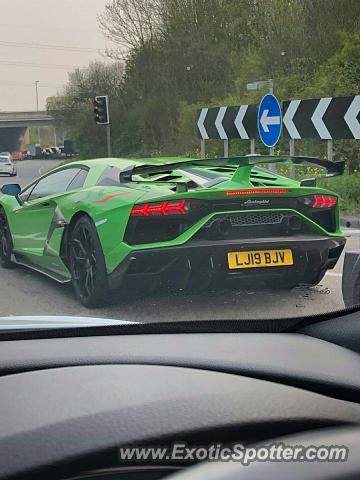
(30, 223)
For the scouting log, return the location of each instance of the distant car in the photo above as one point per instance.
(16, 156)
(7, 166)
(55, 151)
(46, 152)
(6, 154)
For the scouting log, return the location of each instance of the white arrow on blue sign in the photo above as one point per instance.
(269, 120)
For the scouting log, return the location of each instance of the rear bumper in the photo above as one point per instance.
(204, 261)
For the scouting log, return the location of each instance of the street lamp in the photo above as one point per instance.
(260, 84)
(37, 103)
(37, 94)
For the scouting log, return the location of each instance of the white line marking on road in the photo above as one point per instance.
(334, 274)
(351, 231)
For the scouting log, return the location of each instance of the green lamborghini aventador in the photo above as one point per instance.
(186, 224)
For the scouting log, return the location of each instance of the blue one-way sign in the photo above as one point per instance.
(269, 120)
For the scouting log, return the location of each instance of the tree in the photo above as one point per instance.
(181, 54)
(131, 24)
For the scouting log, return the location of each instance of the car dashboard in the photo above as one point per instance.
(69, 404)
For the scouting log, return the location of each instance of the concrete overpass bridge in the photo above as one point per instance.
(25, 119)
(14, 128)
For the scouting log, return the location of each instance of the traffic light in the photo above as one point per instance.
(101, 110)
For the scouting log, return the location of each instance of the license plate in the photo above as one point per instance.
(260, 258)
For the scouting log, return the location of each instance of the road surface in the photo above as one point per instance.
(23, 292)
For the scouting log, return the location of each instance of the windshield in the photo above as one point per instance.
(180, 160)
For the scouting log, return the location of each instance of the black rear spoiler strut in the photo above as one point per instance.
(333, 168)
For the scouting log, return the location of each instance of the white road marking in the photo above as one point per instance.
(351, 231)
(334, 274)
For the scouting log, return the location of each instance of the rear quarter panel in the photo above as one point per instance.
(109, 208)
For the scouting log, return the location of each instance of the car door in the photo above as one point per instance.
(32, 220)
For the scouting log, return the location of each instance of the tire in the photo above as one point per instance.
(5, 241)
(87, 264)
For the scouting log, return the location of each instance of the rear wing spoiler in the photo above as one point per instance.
(333, 168)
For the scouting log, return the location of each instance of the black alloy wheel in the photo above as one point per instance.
(87, 264)
(5, 241)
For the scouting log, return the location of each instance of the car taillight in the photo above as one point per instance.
(324, 201)
(320, 201)
(162, 208)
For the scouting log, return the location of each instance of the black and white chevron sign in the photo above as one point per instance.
(324, 118)
(227, 122)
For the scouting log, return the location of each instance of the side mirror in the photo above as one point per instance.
(13, 190)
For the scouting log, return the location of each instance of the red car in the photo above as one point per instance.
(16, 156)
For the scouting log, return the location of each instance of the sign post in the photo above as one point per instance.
(252, 146)
(269, 121)
(330, 150)
(108, 140)
(202, 148)
(226, 148)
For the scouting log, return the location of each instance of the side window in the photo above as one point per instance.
(25, 193)
(79, 180)
(53, 184)
(110, 177)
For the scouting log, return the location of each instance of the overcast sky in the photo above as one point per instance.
(64, 23)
